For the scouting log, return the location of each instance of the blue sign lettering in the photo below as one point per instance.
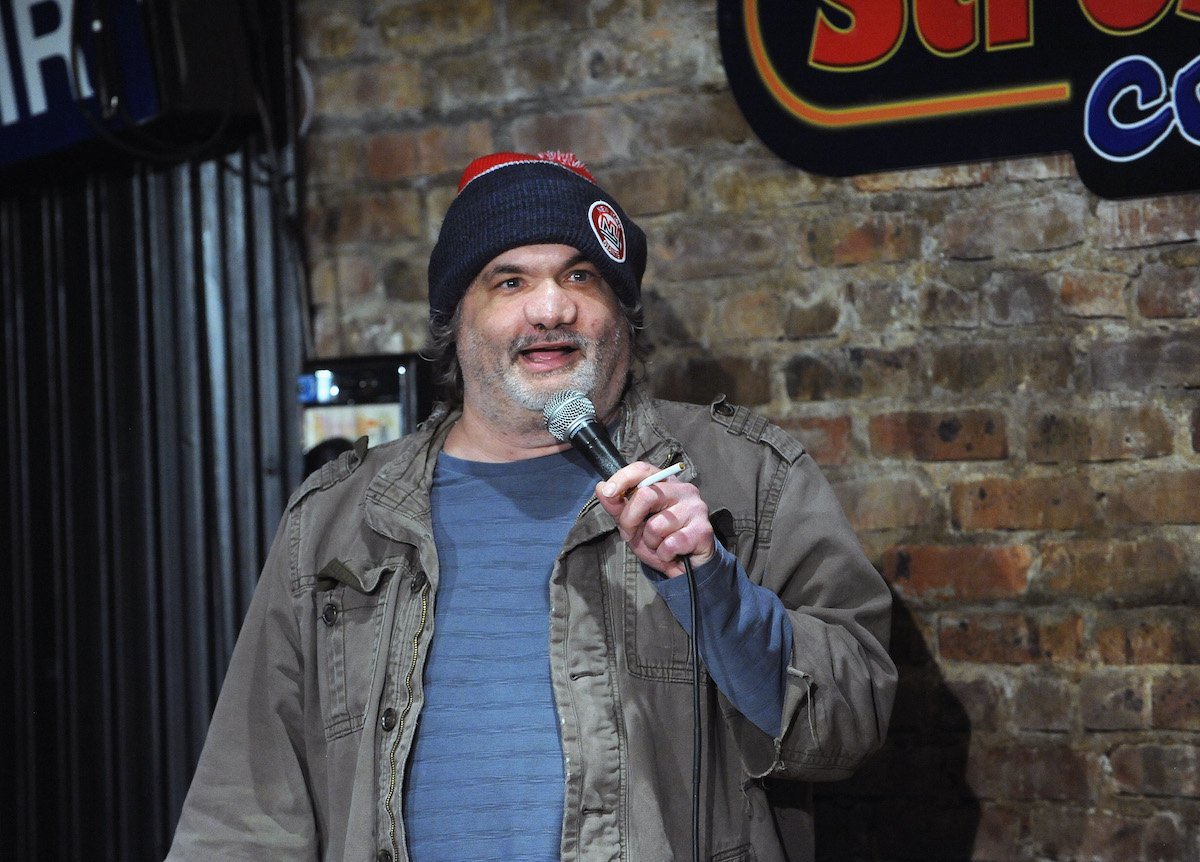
(1139, 82)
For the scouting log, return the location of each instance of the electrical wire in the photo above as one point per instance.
(696, 736)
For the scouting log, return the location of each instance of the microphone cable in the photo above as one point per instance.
(571, 418)
(695, 651)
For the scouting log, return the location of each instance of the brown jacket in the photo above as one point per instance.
(306, 754)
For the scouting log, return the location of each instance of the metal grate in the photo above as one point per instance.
(152, 339)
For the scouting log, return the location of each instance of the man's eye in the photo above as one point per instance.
(510, 283)
(582, 275)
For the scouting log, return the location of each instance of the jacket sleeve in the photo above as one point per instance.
(249, 797)
(840, 681)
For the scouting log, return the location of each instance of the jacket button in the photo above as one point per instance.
(329, 615)
(383, 856)
(388, 720)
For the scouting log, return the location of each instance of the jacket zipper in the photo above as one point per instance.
(408, 680)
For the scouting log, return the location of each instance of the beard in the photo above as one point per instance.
(500, 377)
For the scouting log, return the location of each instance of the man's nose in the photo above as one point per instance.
(550, 306)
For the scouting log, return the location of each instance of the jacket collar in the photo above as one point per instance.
(397, 500)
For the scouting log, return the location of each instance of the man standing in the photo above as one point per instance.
(464, 647)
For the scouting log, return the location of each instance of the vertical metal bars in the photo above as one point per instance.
(151, 342)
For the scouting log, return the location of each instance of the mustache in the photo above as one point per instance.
(550, 338)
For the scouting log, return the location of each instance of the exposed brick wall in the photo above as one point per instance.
(999, 372)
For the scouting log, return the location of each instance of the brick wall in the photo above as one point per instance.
(999, 372)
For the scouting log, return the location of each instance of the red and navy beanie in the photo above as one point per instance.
(507, 200)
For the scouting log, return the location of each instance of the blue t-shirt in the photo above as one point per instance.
(486, 773)
(485, 776)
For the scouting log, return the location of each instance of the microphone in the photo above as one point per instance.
(571, 418)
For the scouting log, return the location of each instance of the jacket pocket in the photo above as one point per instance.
(656, 645)
(349, 625)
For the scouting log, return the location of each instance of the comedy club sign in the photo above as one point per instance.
(842, 87)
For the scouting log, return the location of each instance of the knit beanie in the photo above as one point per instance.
(506, 200)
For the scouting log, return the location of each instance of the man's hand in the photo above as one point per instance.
(662, 522)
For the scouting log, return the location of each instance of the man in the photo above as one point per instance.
(454, 652)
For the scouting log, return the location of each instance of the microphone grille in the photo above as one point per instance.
(564, 411)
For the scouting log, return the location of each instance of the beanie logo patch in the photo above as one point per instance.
(609, 231)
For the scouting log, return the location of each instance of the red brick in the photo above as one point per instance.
(1157, 770)
(961, 176)
(943, 306)
(1043, 703)
(538, 16)
(342, 275)
(335, 159)
(1105, 836)
(1158, 498)
(699, 379)
(990, 230)
(650, 189)
(1029, 772)
(1109, 570)
(827, 440)
(972, 367)
(959, 572)
(883, 504)
(399, 155)
(980, 700)
(750, 314)
(404, 282)
(1018, 298)
(880, 238)
(1010, 638)
(596, 135)
(1023, 504)
(967, 435)
(1176, 700)
(697, 251)
(1117, 434)
(1093, 294)
(1136, 637)
(755, 186)
(1114, 700)
(1052, 167)
(431, 24)
(808, 321)
(1141, 222)
(852, 373)
(330, 35)
(466, 82)
(383, 216)
(1035, 366)
(1149, 361)
(883, 304)
(678, 123)
(1168, 291)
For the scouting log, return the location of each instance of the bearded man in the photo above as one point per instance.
(464, 647)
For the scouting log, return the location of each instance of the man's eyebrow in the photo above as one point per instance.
(507, 268)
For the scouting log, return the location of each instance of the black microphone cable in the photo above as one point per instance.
(571, 418)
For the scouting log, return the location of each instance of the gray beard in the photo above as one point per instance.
(602, 358)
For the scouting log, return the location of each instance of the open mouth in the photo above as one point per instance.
(548, 354)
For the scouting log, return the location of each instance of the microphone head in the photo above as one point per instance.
(565, 411)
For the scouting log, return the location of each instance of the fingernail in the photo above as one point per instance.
(608, 489)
